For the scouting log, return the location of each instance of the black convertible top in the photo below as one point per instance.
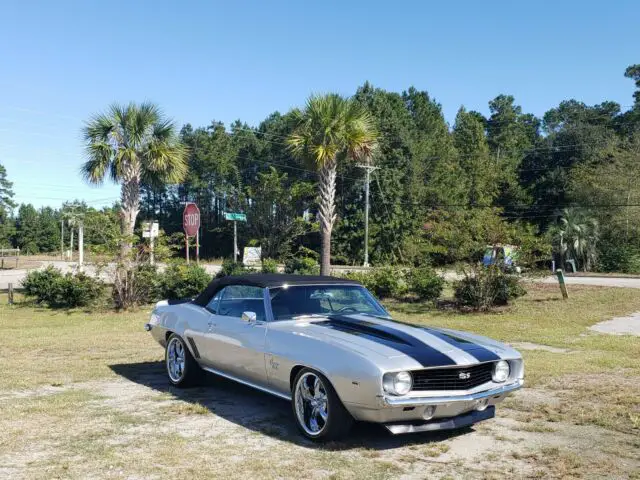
(264, 280)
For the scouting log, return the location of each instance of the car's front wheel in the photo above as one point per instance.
(182, 369)
(318, 411)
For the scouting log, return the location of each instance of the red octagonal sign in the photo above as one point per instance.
(191, 219)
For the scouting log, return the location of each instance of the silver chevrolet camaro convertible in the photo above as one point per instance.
(327, 345)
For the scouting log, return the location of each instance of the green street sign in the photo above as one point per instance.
(236, 217)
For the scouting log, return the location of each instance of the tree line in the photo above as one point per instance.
(566, 182)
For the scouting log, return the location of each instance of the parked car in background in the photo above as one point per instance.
(505, 257)
(328, 346)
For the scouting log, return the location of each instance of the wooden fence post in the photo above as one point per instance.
(11, 294)
(563, 286)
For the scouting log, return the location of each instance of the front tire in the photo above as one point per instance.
(182, 369)
(319, 413)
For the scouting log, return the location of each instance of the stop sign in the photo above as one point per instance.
(191, 219)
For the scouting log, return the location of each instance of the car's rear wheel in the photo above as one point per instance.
(318, 411)
(182, 369)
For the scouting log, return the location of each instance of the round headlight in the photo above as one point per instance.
(501, 371)
(398, 383)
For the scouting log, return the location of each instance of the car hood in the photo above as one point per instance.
(427, 346)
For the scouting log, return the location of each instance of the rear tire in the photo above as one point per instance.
(317, 410)
(182, 369)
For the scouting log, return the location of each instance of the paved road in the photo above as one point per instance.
(16, 276)
(106, 273)
(598, 281)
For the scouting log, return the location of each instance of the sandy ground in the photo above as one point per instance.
(136, 426)
(629, 325)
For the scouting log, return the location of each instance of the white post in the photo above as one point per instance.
(80, 245)
(71, 244)
(152, 259)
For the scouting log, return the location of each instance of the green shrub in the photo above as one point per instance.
(269, 265)
(184, 281)
(51, 287)
(148, 284)
(425, 283)
(487, 287)
(43, 285)
(302, 266)
(508, 287)
(308, 252)
(384, 282)
(389, 282)
(365, 278)
(229, 267)
(619, 258)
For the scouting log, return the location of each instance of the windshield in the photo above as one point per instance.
(288, 302)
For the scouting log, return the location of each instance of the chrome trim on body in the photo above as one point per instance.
(247, 383)
(418, 401)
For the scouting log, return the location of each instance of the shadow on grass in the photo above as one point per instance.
(264, 413)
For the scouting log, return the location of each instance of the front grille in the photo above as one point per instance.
(452, 378)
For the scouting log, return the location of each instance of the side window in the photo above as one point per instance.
(236, 299)
(213, 306)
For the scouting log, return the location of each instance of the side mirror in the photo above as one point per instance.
(249, 317)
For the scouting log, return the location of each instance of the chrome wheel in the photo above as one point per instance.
(175, 359)
(311, 404)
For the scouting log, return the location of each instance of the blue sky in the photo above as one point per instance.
(62, 61)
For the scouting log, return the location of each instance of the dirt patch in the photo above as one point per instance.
(537, 346)
(137, 426)
(629, 325)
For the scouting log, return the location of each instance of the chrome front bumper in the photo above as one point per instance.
(433, 409)
(472, 397)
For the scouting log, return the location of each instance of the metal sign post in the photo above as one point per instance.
(235, 241)
(151, 231)
(235, 218)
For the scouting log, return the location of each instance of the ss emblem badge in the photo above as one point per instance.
(464, 375)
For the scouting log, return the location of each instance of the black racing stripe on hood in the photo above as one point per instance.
(481, 353)
(424, 354)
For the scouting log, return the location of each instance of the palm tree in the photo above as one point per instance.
(579, 235)
(331, 127)
(132, 144)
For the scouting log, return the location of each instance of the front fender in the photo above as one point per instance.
(355, 377)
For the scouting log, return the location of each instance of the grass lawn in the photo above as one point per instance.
(85, 396)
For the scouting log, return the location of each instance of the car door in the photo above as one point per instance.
(236, 345)
(202, 335)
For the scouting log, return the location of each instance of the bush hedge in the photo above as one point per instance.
(302, 266)
(230, 267)
(425, 283)
(269, 265)
(392, 282)
(50, 286)
(183, 281)
(487, 287)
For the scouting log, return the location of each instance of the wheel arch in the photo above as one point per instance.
(298, 367)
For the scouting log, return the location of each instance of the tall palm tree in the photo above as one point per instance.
(579, 235)
(331, 127)
(132, 144)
